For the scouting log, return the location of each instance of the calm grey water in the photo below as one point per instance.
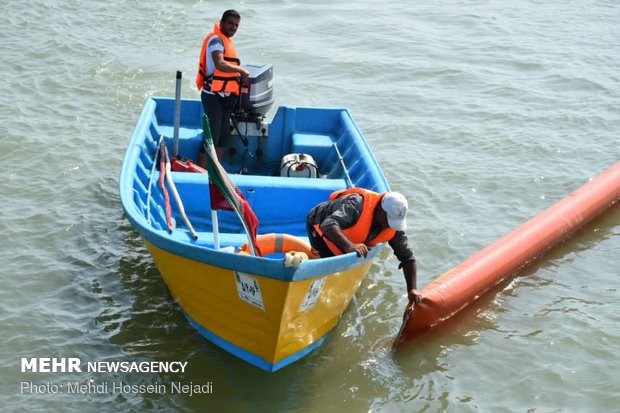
(483, 113)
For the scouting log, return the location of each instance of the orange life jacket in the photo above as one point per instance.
(358, 232)
(220, 81)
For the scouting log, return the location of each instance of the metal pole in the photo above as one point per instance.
(344, 167)
(177, 115)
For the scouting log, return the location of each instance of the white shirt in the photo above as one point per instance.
(215, 45)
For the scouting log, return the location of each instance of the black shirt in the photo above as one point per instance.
(344, 211)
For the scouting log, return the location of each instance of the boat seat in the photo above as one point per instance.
(288, 183)
(315, 145)
(246, 182)
(231, 240)
(281, 203)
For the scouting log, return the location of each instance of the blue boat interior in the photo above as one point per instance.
(281, 203)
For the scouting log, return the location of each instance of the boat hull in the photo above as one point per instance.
(273, 322)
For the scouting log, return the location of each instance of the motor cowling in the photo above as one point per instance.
(256, 93)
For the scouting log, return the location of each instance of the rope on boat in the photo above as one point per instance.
(162, 173)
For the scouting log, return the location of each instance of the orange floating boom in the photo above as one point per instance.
(462, 285)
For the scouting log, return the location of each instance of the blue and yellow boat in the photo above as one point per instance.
(269, 310)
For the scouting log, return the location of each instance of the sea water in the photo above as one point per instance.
(483, 113)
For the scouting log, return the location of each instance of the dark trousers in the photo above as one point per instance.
(316, 241)
(219, 118)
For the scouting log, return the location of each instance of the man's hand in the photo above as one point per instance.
(360, 249)
(414, 296)
(335, 235)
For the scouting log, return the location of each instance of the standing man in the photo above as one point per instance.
(355, 219)
(218, 79)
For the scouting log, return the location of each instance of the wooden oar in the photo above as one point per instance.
(173, 188)
(148, 191)
(162, 185)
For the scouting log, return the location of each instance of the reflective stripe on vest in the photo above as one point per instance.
(220, 81)
(359, 232)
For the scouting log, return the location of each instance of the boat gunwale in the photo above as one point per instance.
(181, 243)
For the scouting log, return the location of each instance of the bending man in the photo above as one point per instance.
(356, 219)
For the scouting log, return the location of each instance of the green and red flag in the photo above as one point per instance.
(224, 193)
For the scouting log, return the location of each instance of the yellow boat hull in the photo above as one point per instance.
(266, 321)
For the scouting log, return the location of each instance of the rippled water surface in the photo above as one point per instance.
(483, 113)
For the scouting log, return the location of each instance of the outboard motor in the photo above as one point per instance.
(256, 93)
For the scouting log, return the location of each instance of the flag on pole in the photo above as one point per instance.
(225, 194)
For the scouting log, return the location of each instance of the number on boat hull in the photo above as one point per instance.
(249, 290)
(312, 295)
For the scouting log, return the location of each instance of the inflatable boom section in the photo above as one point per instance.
(462, 285)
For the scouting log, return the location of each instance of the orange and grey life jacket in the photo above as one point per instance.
(358, 232)
(220, 81)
